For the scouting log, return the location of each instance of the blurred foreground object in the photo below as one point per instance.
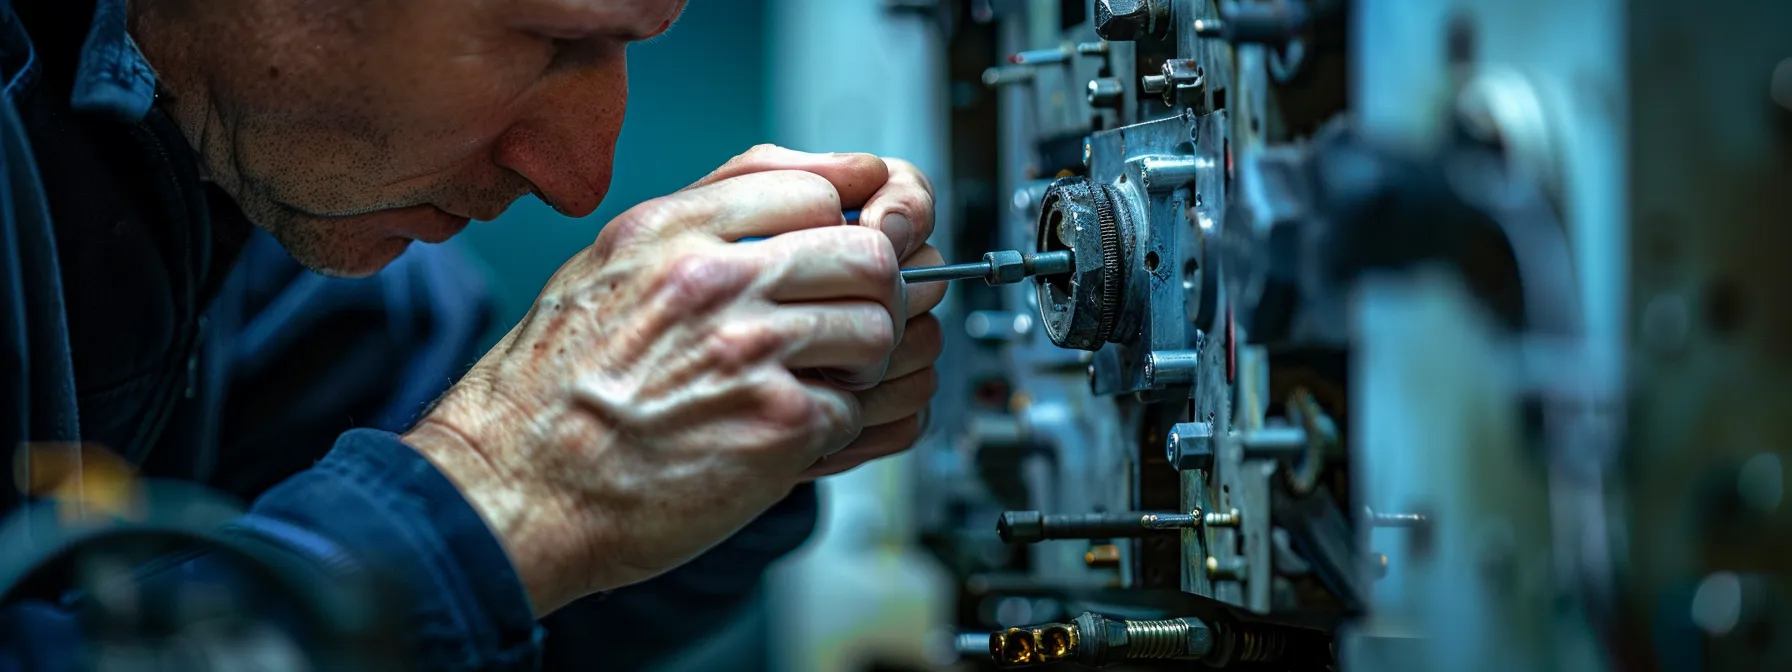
(158, 580)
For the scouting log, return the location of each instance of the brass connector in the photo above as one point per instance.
(1034, 645)
(1096, 640)
(1102, 555)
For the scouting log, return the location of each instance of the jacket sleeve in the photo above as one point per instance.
(645, 626)
(375, 501)
(373, 533)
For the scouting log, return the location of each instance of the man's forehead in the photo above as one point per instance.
(638, 19)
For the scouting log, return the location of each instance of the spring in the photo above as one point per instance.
(1260, 645)
(1156, 639)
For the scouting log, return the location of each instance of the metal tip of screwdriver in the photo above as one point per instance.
(997, 268)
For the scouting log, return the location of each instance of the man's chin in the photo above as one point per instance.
(364, 262)
(340, 256)
(361, 245)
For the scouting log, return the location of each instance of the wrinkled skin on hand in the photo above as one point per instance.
(670, 385)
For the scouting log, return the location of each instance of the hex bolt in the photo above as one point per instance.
(1177, 73)
(1190, 446)
(1127, 20)
(1006, 266)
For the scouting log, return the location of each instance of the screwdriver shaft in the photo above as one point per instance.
(997, 268)
(946, 273)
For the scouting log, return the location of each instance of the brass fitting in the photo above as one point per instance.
(1039, 644)
(1095, 640)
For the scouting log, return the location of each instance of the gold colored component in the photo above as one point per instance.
(87, 482)
(1103, 555)
(1048, 643)
(1228, 519)
(1014, 647)
(1018, 402)
(1055, 643)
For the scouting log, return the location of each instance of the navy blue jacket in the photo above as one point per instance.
(141, 314)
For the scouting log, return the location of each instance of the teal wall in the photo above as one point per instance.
(696, 98)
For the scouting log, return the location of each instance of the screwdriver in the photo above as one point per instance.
(1001, 267)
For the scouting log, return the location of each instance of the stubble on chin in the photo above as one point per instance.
(328, 247)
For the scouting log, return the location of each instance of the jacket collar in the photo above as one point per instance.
(113, 79)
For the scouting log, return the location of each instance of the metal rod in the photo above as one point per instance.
(946, 273)
(1050, 263)
(1044, 263)
(1027, 527)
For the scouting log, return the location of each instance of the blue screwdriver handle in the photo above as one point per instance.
(852, 217)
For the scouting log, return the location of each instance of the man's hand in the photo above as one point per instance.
(669, 385)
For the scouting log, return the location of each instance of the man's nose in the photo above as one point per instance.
(564, 142)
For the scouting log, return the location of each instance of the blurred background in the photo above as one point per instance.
(675, 133)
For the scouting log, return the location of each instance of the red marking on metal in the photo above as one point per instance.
(1231, 348)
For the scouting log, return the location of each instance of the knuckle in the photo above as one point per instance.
(739, 344)
(813, 191)
(871, 256)
(693, 280)
(788, 408)
(755, 153)
(657, 214)
(876, 333)
(905, 170)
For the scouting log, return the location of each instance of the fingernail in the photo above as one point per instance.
(899, 229)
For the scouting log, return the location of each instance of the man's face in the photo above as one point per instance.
(349, 128)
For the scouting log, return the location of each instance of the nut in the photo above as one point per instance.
(1190, 446)
(1131, 19)
(1006, 267)
(1200, 637)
